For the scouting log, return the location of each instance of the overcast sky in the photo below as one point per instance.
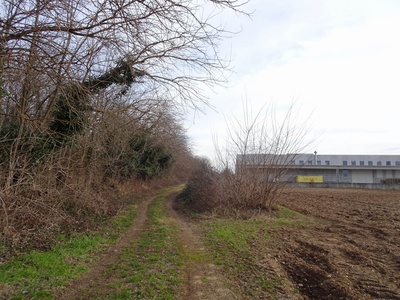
(338, 59)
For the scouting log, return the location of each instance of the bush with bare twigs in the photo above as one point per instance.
(253, 167)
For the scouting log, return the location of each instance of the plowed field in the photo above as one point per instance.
(354, 252)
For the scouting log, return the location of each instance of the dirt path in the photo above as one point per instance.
(203, 279)
(94, 279)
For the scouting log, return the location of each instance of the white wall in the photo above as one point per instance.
(362, 176)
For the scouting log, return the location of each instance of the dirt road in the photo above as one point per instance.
(204, 281)
(95, 279)
(201, 278)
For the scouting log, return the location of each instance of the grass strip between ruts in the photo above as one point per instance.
(152, 267)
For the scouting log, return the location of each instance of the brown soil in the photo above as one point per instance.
(353, 253)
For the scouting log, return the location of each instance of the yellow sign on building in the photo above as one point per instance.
(310, 179)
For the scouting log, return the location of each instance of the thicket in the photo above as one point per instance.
(248, 175)
(90, 98)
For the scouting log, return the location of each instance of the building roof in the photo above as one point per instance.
(317, 161)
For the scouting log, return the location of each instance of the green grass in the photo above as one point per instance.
(291, 216)
(239, 246)
(287, 217)
(123, 221)
(152, 267)
(235, 233)
(36, 275)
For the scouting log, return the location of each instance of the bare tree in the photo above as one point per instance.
(49, 50)
(75, 40)
(81, 80)
(260, 151)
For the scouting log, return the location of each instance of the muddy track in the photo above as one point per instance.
(204, 281)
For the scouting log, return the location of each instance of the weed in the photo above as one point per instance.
(288, 217)
(37, 274)
(239, 246)
(197, 257)
(124, 220)
(123, 294)
(151, 267)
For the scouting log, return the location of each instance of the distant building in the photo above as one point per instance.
(315, 168)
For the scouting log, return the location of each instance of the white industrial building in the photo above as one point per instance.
(328, 169)
(350, 168)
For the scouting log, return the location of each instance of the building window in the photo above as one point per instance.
(397, 163)
(328, 162)
(309, 162)
(318, 162)
(370, 163)
(361, 163)
(379, 163)
(353, 163)
(345, 163)
(301, 162)
(345, 173)
(388, 163)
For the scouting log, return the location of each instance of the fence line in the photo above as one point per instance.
(348, 185)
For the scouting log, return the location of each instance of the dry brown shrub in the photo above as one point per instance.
(31, 220)
(228, 194)
(35, 217)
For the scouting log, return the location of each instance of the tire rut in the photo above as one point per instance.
(95, 279)
(203, 278)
